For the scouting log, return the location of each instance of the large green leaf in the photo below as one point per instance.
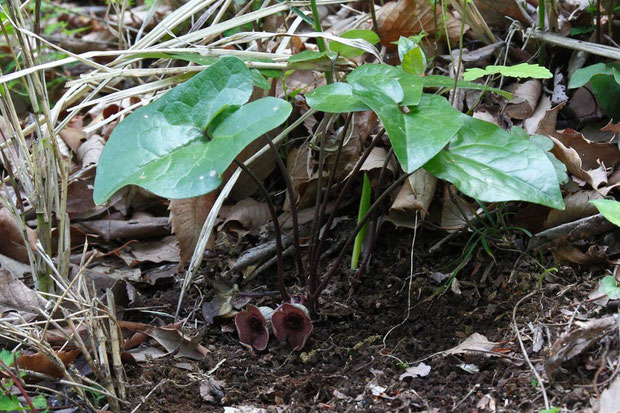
(350, 51)
(610, 209)
(488, 163)
(338, 97)
(418, 135)
(447, 82)
(605, 81)
(163, 147)
(582, 76)
(533, 71)
(335, 98)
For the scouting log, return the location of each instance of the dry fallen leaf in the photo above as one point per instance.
(609, 402)
(162, 250)
(42, 364)
(416, 194)
(524, 99)
(187, 217)
(12, 241)
(140, 228)
(90, 151)
(421, 370)
(577, 205)
(404, 18)
(16, 296)
(473, 344)
(246, 216)
(576, 341)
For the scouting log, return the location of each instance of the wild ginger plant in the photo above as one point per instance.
(179, 146)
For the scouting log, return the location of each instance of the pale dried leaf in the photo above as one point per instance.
(524, 99)
(376, 159)
(609, 402)
(421, 370)
(416, 194)
(90, 151)
(473, 344)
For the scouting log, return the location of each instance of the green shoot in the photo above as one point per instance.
(359, 238)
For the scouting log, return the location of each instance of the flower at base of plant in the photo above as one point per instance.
(253, 326)
(291, 323)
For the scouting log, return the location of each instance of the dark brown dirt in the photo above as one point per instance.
(365, 337)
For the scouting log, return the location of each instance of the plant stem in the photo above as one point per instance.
(320, 213)
(291, 194)
(17, 381)
(363, 209)
(315, 260)
(373, 16)
(314, 295)
(276, 228)
(541, 27)
(317, 204)
(460, 62)
(375, 221)
(320, 42)
(598, 21)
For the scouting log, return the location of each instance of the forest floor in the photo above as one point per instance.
(369, 332)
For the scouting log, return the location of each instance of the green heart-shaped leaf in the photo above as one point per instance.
(416, 136)
(163, 146)
(489, 164)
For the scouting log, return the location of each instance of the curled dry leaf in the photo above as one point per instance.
(416, 194)
(544, 118)
(246, 216)
(90, 151)
(72, 134)
(12, 240)
(582, 157)
(376, 159)
(590, 153)
(456, 212)
(524, 99)
(187, 217)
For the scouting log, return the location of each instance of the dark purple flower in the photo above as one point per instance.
(291, 323)
(252, 326)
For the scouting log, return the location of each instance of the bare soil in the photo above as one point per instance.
(368, 332)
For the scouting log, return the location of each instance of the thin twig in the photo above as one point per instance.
(524, 351)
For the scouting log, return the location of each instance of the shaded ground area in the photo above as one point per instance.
(366, 337)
